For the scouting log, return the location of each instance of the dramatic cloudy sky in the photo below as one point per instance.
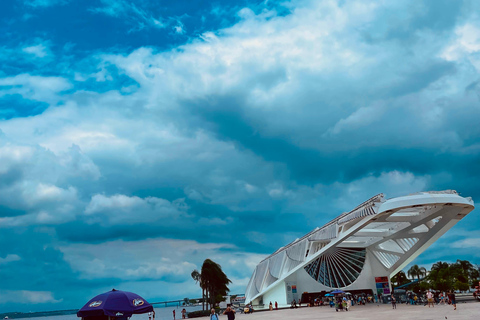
(140, 137)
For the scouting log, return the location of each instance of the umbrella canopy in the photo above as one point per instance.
(329, 295)
(337, 291)
(115, 303)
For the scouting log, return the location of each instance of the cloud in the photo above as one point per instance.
(465, 44)
(467, 243)
(45, 89)
(130, 12)
(39, 50)
(152, 259)
(45, 3)
(9, 258)
(32, 297)
(121, 209)
(213, 148)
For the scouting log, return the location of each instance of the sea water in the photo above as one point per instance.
(163, 313)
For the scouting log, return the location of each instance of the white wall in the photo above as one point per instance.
(277, 293)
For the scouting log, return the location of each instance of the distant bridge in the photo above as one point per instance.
(179, 303)
(172, 302)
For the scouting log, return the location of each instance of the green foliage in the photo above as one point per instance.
(443, 276)
(219, 298)
(416, 271)
(454, 276)
(192, 301)
(400, 278)
(214, 281)
(462, 286)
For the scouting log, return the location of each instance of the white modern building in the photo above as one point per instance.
(360, 250)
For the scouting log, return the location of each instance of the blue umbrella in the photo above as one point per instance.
(115, 303)
(337, 291)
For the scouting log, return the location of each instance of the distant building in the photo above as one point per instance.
(360, 250)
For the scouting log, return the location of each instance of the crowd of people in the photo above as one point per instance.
(431, 298)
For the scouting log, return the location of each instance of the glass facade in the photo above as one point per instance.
(338, 268)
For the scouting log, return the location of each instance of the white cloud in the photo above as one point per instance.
(45, 3)
(129, 11)
(25, 296)
(45, 89)
(360, 118)
(39, 50)
(467, 243)
(152, 258)
(467, 41)
(9, 258)
(122, 209)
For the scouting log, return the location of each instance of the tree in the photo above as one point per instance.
(440, 276)
(198, 279)
(400, 278)
(414, 271)
(422, 272)
(214, 281)
(439, 265)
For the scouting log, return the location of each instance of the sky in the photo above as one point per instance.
(139, 138)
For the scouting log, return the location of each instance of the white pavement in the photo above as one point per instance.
(465, 311)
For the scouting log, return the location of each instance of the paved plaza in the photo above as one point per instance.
(464, 311)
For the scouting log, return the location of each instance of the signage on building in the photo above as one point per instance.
(382, 284)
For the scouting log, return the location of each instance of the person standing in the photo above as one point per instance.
(230, 313)
(451, 297)
(150, 316)
(184, 312)
(276, 305)
(213, 315)
(270, 306)
(173, 314)
(394, 302)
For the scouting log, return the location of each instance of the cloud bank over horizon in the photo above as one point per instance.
(139, 143)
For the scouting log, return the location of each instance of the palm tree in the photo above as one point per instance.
(214, 281)
(422, 272)
(465, 265)
(198, 279)
(439, 266)
(414, 271)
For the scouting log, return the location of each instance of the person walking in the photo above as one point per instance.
(230, 313)
(394, 302)
(451, 297)
(213, 315)
(430, 299)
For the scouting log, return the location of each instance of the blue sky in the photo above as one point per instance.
(138, 138)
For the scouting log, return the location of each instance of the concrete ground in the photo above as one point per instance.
(371, 311)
